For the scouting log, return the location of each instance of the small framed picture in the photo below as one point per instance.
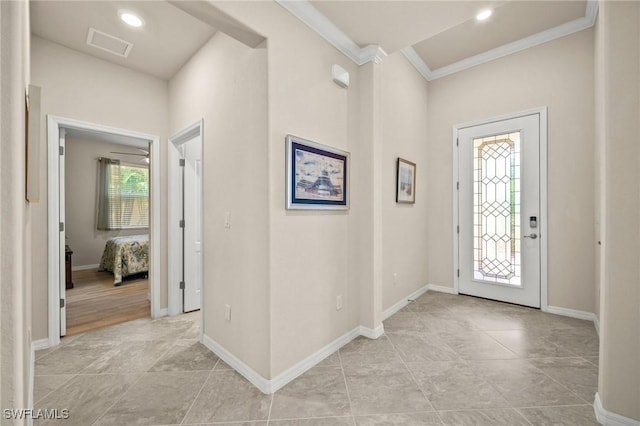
(406, 182)
(317, 176)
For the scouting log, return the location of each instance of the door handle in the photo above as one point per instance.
(533, 236)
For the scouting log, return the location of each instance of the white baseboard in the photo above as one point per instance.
(371, 333)
(270, 386)
(85, 267)
(306, 364)
(596, 324)
(413, 296)
(264, 385)
(441, 289)
(32, 376)
(574, 313)
(611, 419)
(40, 344)
(404, 302)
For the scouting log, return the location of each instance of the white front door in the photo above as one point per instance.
(192, 208)
(499, 220)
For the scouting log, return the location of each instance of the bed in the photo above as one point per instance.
(125, 256)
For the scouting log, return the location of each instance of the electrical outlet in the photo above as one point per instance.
(338, 302)
(227, 312)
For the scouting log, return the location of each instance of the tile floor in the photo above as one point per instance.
(445, 360)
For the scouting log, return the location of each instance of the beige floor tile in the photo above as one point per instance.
(419, 347)
(227, 396)
(324, 421)
(455, 385)
(43, 385)
(186, 355)
(577, 374)
(157, 398)
(409, 419)
(477, 345)
(72, 358)
(331, 360)
(582, 415)
(86, 397)
(320, 392)
(383, 389)
(523, 385)
(365, 351)
(493, 417)
(527, 344)
(129, 357)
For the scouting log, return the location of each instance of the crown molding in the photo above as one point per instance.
(304, 11)
(371, 53)
(566, 29)
(309, 15)
(415, 59)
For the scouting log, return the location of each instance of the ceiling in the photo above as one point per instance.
(438, 37)
(167, 40)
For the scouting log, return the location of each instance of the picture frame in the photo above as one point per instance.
(317, 176)
(405, 181)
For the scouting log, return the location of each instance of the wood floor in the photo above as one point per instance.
(95, 302)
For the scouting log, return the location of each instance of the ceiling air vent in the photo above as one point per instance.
(109, 43)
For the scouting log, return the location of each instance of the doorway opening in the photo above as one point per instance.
(185, 220)
(500, 230)
(119, 204)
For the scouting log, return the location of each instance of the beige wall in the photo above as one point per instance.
(84, 88)
(225, 83)
(309, 250)
(15, 215)
(559, 75)
(81, 187)
(619, 64)
(403, 122)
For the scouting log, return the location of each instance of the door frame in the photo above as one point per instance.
(542, 223)
(174, 203)
(54, 125)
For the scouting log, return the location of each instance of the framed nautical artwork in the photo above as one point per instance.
(317, 176)
(405, 182)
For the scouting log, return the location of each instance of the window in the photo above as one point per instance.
(124, 196)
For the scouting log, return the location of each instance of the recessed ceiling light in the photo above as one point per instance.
(484, 14)
(131, 19)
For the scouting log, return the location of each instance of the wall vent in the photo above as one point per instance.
(109, 43)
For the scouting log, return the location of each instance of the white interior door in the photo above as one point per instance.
(499, 210)
(192, 208)
(62, 279)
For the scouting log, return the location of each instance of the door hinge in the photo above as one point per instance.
(457, 142)
(61, 303)
(182, 223)
(458, 273)
(181, 285)
(458, 186)
(61, 226)
(182, 162)
(61, 150)
(458, 229)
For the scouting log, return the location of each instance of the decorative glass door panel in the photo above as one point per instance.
(496, 215)
(499, 223)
